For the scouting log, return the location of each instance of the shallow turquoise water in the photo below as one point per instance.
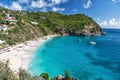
(82, 60)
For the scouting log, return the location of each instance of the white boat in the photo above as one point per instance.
(92, 42)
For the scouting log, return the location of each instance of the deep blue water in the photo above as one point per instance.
(82, 60)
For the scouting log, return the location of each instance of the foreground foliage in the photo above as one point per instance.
(7, 74)
(45, 76)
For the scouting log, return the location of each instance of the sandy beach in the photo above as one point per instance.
(19, 55)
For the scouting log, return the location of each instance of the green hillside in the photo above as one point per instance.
(46, 23)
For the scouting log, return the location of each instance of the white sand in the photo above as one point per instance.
(20, 54)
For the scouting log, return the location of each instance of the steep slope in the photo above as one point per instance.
(46, 23)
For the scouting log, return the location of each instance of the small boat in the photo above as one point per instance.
(92, 42)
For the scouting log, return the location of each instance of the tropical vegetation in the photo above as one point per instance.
(47, 23)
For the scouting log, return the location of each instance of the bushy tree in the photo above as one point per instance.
(67, 75)
(45, 76)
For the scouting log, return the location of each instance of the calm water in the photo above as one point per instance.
(82, 60)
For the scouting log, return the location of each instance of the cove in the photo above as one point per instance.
(83, 60)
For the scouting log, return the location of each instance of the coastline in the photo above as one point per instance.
(20, 55)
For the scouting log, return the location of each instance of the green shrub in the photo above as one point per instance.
(67, 75)
(45, 76)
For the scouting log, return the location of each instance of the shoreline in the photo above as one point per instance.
(20, 55)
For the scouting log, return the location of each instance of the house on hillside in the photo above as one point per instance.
(11, 19)
(3, 27)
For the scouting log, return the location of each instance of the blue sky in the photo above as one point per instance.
(105, 12)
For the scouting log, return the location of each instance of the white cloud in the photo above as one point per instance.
(88, 4)
(41, 5)
(15, 6)
(116, 1)
(58, 1)
(104, 23)
(43, 9)
(55, 2)
(38, 4)
(22, 1)
(112, 23)
(58, 9)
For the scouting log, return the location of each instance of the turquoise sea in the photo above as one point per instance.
(83, 60)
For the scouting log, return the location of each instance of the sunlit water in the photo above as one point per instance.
(83, 60)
